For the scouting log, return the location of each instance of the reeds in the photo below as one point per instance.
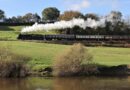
(11, 64)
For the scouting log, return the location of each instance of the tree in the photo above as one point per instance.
(2, 14)
(14, 19)
(114, 23)
(20, 19)
(29, 17)
(36, 17)
(50, 13)
(127, 21)
(8, 20)
(114, 17)
(92, 16)
(68, 15)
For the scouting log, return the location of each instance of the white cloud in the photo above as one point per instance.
(78, 6)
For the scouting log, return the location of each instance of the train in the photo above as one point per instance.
(75, 37)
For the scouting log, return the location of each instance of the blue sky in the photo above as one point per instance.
(101, 7)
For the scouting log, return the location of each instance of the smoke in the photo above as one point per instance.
(65, 24)
(113, 17)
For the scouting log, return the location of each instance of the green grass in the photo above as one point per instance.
(43, 54)
(9, 32)
(111, 55)
(12, 32)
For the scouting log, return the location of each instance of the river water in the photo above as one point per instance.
(75, 83)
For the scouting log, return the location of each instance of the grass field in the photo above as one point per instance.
(43, 54)
(10, 32)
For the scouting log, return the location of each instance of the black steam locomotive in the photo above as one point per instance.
(75, 37)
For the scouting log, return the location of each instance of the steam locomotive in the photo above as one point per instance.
(75, 37)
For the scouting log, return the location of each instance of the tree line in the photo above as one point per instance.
(115, 25)
(53, 14)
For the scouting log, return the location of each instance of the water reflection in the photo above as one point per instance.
(76, 83)
(26, 84)
(91, 84)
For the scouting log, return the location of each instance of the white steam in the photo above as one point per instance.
(65, 24)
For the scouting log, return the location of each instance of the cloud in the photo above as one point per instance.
(79, 6)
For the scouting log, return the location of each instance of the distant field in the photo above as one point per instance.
(9, 32)
(12, 32)
(43, 54)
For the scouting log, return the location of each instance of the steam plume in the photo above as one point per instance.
(65, 24)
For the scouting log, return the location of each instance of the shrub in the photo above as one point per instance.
(11, 64)
(70, 62)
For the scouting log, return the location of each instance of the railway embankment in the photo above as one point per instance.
(87, 43)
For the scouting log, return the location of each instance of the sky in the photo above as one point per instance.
(100, 7)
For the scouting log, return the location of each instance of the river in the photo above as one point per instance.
(75, 83)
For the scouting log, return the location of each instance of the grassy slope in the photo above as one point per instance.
(9, 32)
(43, 54)
(111, 55)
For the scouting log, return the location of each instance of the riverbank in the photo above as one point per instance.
(119, 44)
(100, 70)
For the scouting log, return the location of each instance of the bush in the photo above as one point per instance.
(70, 62)
(11, 64)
